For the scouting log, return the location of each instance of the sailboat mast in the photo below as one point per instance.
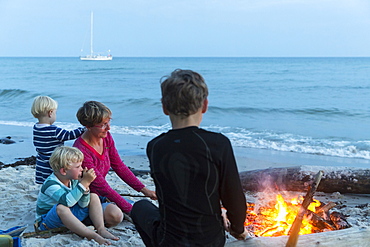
(91, 34)
(93, 57)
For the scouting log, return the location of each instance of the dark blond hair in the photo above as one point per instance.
(42, 105)
(63, 156)
(93, 113)
(183, 92)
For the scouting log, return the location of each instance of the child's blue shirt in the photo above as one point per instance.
(53, 191)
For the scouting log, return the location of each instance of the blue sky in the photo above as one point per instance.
(170, 28)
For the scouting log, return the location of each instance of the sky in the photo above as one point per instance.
(186, 28)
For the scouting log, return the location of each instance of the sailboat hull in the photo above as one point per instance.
(96, 58)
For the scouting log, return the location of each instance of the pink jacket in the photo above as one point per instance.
(102, 164)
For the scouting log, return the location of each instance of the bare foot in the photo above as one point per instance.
(106, 234)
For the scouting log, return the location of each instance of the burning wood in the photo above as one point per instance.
(274, 218)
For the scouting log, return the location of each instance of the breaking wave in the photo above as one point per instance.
(245, 138)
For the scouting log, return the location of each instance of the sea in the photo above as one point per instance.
(314, 106)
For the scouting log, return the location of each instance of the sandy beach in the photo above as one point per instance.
(19, 192)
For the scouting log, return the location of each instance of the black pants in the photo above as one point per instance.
(146, 218)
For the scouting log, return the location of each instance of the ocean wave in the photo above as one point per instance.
(247, 138)
(100, 69)
(300, 144)
(7, 94)
(16, 123)
(303, 111)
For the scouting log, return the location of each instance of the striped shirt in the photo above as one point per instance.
(53, 191)
(46, 138)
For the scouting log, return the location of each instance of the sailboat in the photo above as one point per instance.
(92, 56)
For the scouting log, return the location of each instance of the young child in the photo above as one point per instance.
(46, 136)
(194, 172)
(65, 198)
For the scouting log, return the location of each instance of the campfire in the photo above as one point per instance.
(295, 217)
(275, 217)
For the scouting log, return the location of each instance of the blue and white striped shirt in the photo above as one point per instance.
(46, 138)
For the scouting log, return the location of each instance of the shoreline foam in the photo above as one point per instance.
(132, 146)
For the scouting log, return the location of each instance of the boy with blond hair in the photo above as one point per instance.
(194, 172)
(46, 135)
(65, 198)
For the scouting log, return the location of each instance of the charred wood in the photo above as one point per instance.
(320, 222)
(339, 220)
(324, 210)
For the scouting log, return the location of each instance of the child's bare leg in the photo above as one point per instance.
(96, 216)
(76, 226)
(112, 215)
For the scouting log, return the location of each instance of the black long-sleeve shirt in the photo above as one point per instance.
(193, 171)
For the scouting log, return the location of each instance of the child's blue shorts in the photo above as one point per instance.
(51, 219)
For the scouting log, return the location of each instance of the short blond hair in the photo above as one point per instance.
(42, 105)
(63, 156)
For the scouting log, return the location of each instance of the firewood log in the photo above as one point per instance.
(326, 208)
(320, 222)
(335, 179)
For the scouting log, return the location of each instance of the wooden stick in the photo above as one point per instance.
(296, 226)
(46, 233)
(132, 195)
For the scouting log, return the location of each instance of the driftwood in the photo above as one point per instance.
(296, 226)
(354, 236)
(60, 230)
(335, 179)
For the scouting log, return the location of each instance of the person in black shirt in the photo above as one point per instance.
(194, 172)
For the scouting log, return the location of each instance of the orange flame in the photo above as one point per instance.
(277, 218)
